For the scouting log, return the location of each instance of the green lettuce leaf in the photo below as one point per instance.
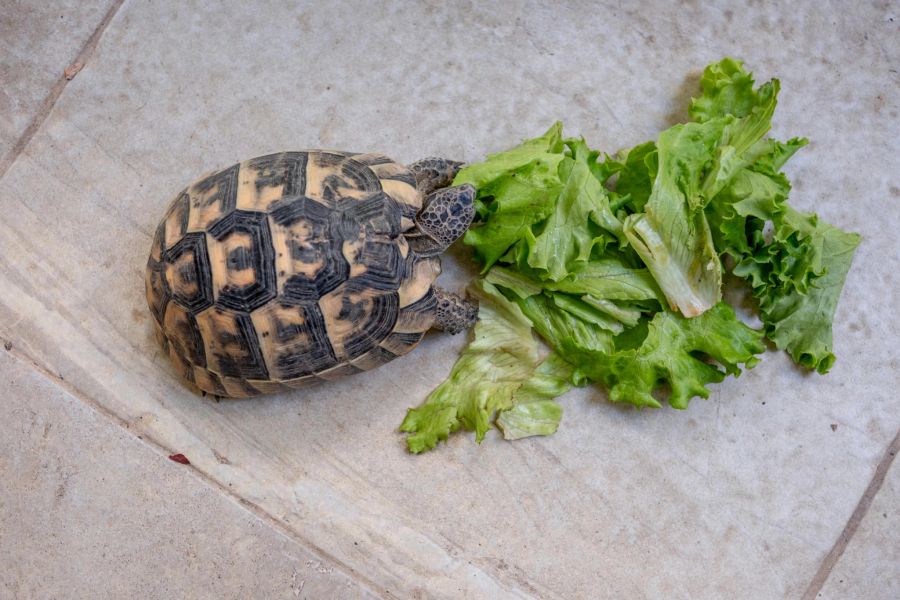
(672, 238)
(546, 150)
(615, 264)
(574, 338)
(515, 189)
(797, 279)
(521, 284)
(634, 175)
(626, 313)
(727, 90)
(529, 418)
(741, 143)
(587, 312)
(534, 412)
(797, 270)
(608, 278)
(569, 235)
(502, 358)
(755, 195)
(693, 163)
(673, 351)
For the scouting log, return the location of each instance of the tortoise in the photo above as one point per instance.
(298, 267)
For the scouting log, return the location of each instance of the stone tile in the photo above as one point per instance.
(87, 510)
(870, 565)
(38, 40)
(741, 496)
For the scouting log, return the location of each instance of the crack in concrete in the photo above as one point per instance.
(859, 513)
(46, 107)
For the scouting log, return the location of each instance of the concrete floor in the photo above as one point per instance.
(781, 485)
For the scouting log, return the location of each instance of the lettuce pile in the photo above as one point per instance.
(616, 264)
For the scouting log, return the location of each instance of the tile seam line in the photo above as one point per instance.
(49, 102)
(159, 447)
(853, 523)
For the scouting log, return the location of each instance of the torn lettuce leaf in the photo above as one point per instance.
(758, 192)
(531, 417)
(797, 271)
(534, 412)
(693, 163)
(625, 313)
(513, 191)
(671, 236)
(727, 89)
(673, 352)
(797, 279)
(608, 278)
(519, 283)
(615, 263)
(586, 312)
(574, 338)
(634, 175)
(548, 198)
(545, 150)
(500, 360)
(605, 286)
(581, 216)
(667, 350)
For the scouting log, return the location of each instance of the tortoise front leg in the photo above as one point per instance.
(432, 173)
(453, 313)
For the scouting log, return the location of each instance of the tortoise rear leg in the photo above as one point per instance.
(453, 313)
(432, 173)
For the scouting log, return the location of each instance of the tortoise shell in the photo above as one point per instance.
(290, 268)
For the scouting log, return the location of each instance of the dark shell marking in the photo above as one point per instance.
(289, 269)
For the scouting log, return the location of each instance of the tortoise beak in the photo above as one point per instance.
(454, 166)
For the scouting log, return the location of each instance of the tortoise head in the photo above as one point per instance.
(446, 214)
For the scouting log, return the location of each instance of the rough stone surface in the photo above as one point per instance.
(740, 496)
(38, 40)
(87, 510)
